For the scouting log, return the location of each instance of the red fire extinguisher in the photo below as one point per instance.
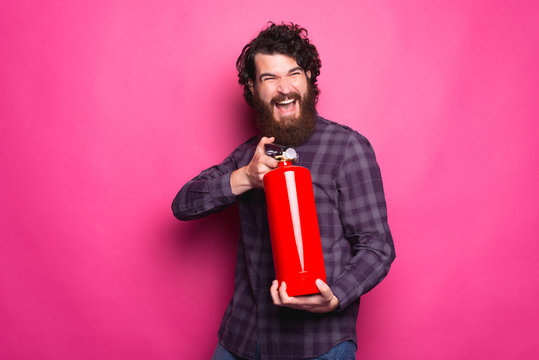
(295, 236)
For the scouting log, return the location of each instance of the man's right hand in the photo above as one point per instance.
(250, 176)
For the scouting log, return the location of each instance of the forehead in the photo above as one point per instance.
(277, 64)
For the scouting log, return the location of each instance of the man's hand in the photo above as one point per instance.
(250, 176)
(319, 303)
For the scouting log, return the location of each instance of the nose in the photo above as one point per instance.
(284, 86)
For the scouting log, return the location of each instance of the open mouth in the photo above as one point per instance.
(286, 106)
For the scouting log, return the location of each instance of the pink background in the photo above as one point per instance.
(108, 107)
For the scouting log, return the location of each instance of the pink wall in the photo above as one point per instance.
(108, 107)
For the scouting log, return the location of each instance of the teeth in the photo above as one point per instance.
(286, 102)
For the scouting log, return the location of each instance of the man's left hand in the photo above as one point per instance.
(319, 303)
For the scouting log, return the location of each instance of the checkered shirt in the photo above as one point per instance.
(356, 241)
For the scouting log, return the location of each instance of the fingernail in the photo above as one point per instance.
(319, 282)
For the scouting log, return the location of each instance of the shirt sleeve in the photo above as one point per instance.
(363, 214)
(207, 193)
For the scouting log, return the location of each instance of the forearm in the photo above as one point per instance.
(201, 197)
(207, 193)
(367, 268)
(218, 186)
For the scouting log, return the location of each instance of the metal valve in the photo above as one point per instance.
(282, 153)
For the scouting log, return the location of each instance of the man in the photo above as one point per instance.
(279, 70)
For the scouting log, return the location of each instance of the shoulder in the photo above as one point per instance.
(344, 135)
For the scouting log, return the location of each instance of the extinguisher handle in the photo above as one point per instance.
(274, 149)
(281, 152)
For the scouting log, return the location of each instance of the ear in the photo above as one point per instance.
(308, 73)
(251, 86)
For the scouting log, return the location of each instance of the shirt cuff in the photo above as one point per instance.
(346, 292)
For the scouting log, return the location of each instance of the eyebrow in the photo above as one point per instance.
(273, 75)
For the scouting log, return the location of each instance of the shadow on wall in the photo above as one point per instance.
(218, 231)
(203, 251)
(209, 243)
(211, 231)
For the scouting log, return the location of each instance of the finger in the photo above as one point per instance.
(275, 294)
(285, 299)
(261, 144)
(262, 170)
(270, 162)
(324, 289)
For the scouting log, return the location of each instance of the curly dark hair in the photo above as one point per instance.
(286, 39)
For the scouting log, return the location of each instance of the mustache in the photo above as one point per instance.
(282, 97)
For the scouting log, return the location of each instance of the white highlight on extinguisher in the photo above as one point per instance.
(294, 209)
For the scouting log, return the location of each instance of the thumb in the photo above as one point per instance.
(324, 289)
(263, 141)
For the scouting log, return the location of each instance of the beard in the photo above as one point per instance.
(289, 131)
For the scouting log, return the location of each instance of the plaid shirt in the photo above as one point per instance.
(357, 244)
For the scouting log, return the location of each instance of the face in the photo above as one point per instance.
(281, 84)
(283, 100)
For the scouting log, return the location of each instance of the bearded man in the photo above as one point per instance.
(278, 70)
